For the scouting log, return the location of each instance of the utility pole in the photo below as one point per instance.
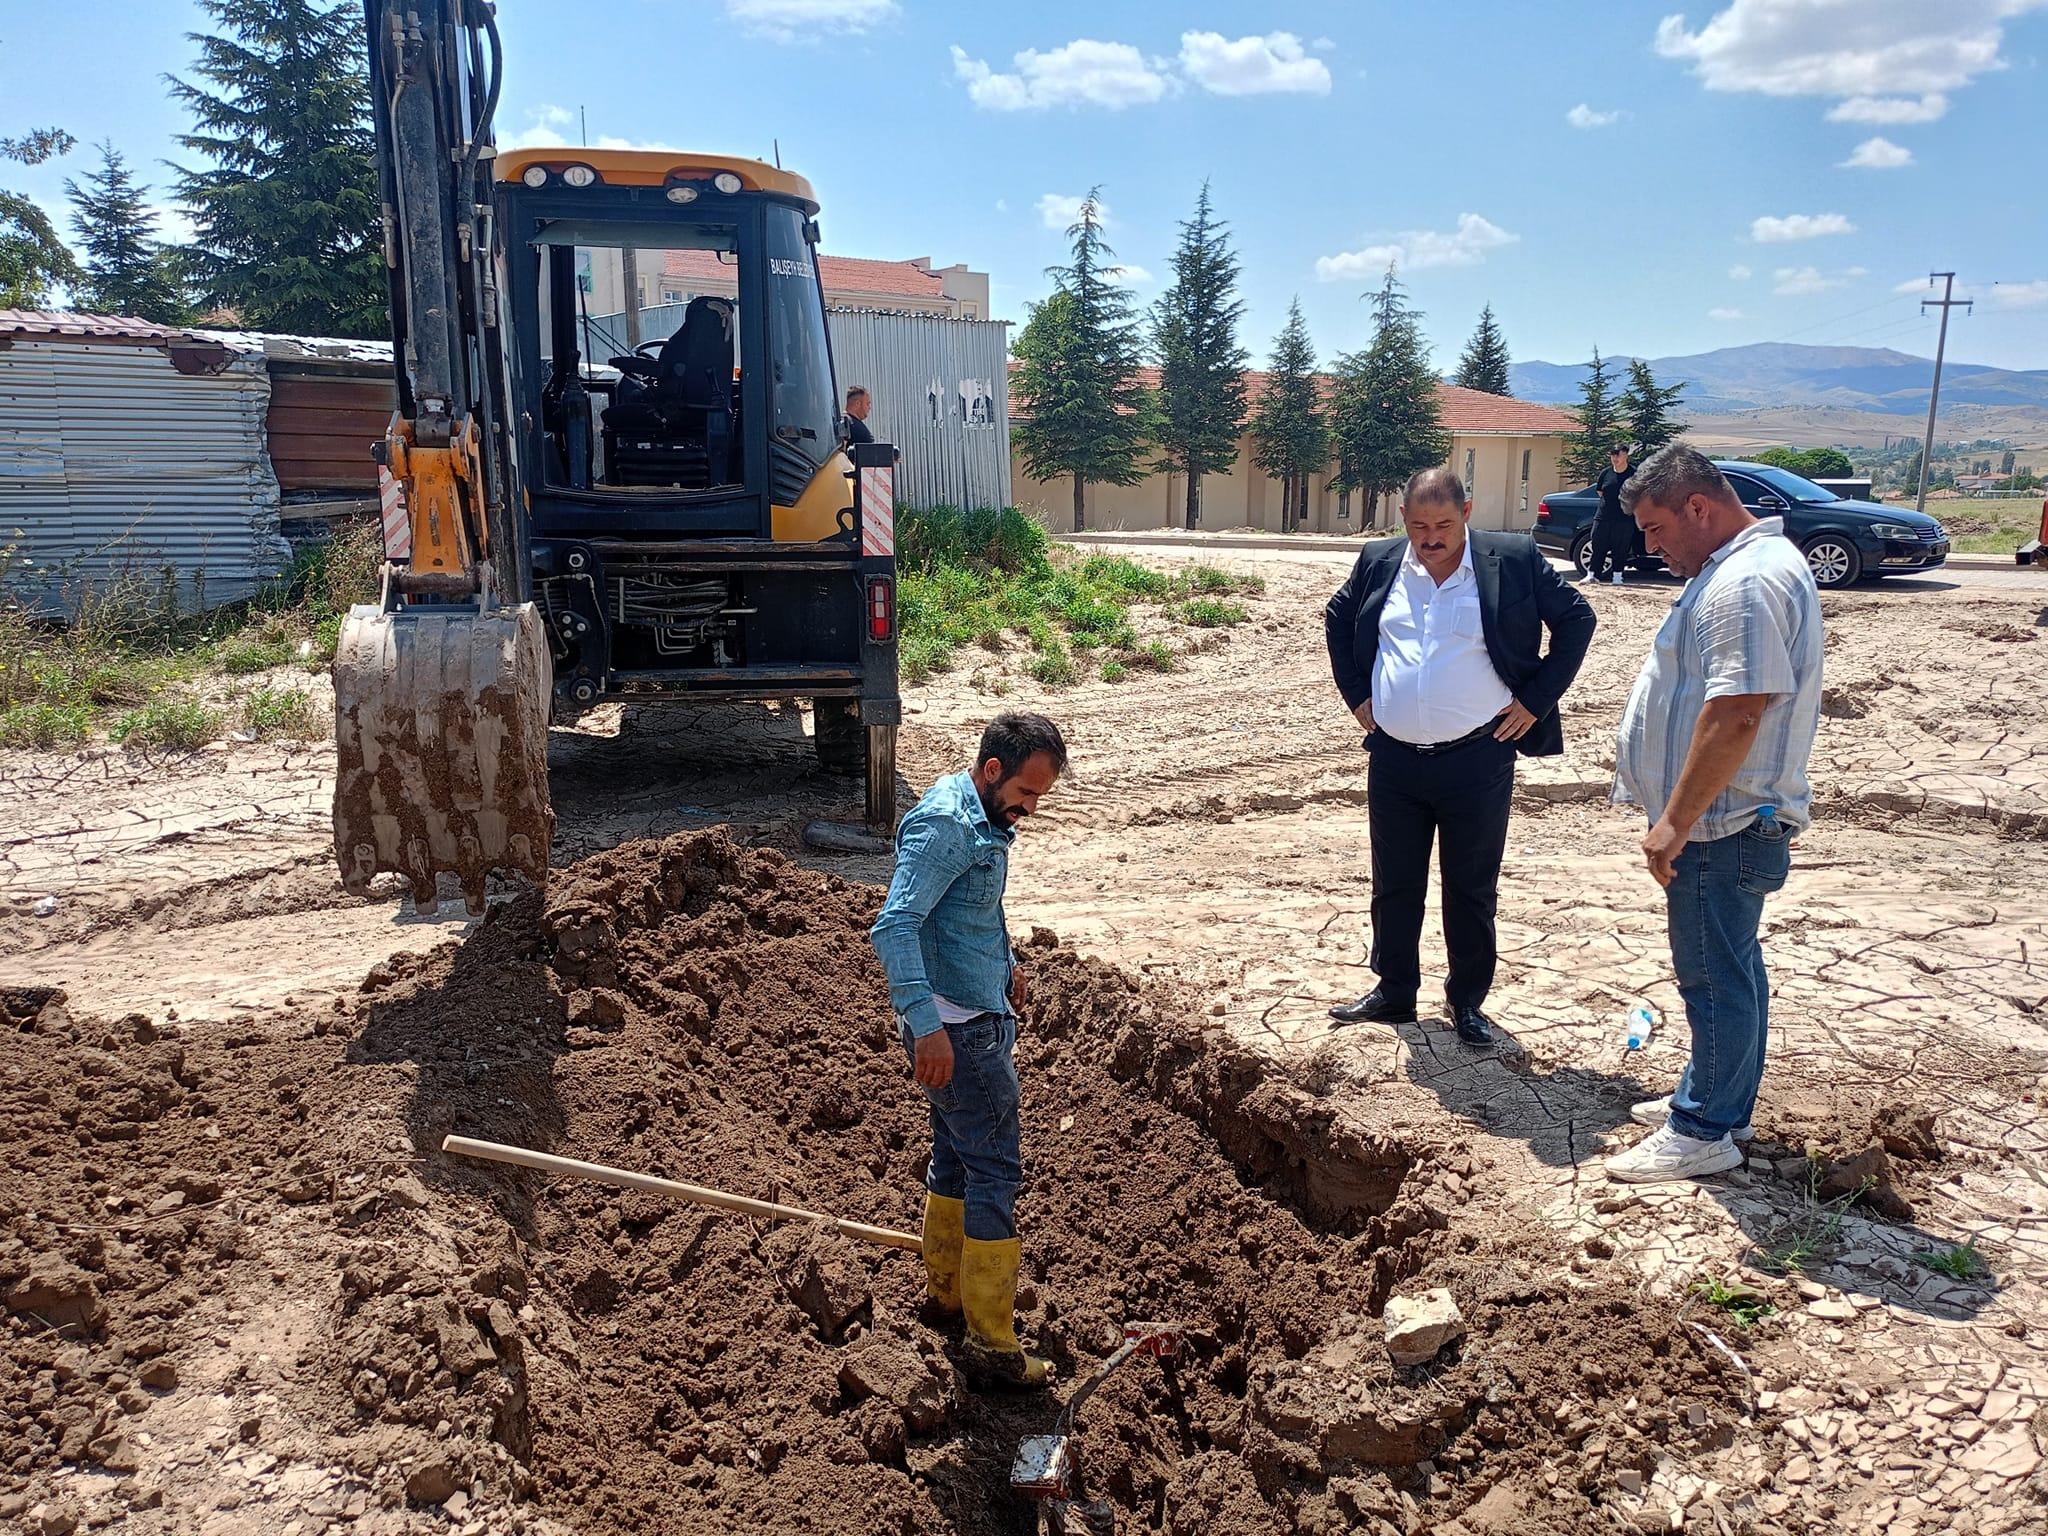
(1945, 303)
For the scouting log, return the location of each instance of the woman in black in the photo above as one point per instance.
(1614, 531)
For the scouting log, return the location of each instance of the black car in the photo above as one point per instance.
(1844, 541)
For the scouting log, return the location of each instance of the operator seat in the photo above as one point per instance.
(668, 416)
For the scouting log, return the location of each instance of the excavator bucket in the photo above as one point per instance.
(440, 730)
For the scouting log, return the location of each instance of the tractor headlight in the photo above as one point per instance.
(727, 182)
(579, 176)
(681, 194)
(535, 175)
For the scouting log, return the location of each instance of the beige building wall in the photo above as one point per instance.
(1492, 467)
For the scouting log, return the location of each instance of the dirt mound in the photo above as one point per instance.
(1877, 1155)
(528, 1352)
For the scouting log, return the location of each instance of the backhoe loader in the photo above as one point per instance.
(679, 519)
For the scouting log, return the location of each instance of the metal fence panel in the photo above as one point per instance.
(940, 389)
(114, 466)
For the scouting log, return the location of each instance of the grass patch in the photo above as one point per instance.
(1815, 1232)
(266, 712)
(1114, 671)
(44, 725)
(1746, 1306)
(1988, 527)
(122, 662)
(170, 725)
(1960, 1261)
(1211, 613)
(970, 578)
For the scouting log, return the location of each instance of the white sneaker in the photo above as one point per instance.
(1616, 578)
(1665, 1155)
(1657, 1111)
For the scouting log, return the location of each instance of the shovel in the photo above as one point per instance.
(1046, 1465)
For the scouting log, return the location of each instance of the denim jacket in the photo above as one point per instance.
(941, 929)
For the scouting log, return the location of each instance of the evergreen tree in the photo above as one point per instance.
(33, 256)
(1485, 363)
(287, 214)
(1290, 435)
(126, 270)
(1645, 410)
(1201, 365)
(1077, 363)
(1387, 417)
(1600, 427)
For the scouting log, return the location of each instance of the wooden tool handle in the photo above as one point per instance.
(696, 1194)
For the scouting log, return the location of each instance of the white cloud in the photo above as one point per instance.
(1740, 273)
(1251, 66)
(1890, 111)
(1799, 226)
(2019, 295)
(545, 124)
(1002, 205)
(174, 225)
(1323, 44)
(1081, 73)
(1061, 212)
(1878, 154)
(1583, 116)
(1798, 282)
(790, 21)
(1724, 314)
(1127, 276)
(1843, 48)
(1465, 246)
(1912, 285)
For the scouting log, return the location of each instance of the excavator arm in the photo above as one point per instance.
(442, 687)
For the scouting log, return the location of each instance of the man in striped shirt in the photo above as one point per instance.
(1714, 745)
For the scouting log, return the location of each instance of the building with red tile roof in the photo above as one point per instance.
(850, 282)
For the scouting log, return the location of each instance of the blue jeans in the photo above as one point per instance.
(1714, 905)
(977, 1151)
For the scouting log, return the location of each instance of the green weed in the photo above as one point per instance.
(268, 712)
(43, 725)
(173, 725)
(1746, 1306)
(1114, 671)
(1211, 613)
(1960, 1261)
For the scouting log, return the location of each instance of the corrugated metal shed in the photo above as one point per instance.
(940, 389)
(120, 458)
(941, 394)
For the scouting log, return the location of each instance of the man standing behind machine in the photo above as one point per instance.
(854, 425)
(1436, 643)
(956, 988)
(1614, 531)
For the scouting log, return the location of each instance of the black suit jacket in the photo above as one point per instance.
(1519, 597)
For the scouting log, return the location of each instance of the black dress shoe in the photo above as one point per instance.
(1375, 1008)
(1474, 1027)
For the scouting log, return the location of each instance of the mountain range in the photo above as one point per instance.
(1775, 374)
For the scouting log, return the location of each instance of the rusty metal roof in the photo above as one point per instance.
(71, 324)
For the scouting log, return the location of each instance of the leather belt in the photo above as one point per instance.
(1434, 747)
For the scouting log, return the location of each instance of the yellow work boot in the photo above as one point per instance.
(943, 1233)
(988, 1295)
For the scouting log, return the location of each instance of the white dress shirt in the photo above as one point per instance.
(1433, 681)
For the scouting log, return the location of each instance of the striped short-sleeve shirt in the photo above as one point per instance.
(1749, 623)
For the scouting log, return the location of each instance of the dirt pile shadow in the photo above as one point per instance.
(600, 1360)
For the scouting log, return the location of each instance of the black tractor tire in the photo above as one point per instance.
(839, 738)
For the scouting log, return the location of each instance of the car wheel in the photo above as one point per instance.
(1582, 553)
(1834, 561)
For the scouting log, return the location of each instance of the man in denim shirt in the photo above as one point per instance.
(955, 986)
(1714, 744)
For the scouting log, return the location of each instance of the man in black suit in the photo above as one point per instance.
(1436, 643)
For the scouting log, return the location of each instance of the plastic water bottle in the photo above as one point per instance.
(1641, 1024)
(1767, 817)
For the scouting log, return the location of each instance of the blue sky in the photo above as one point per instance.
(1647, 179)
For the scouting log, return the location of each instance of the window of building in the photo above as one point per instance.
(1468, 474)
(1525, 485)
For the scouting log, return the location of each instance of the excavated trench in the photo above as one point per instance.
(615, 1361)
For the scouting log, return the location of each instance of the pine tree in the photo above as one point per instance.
(1077, 363)
(1600, 427)
(1290, 435)
(1201, 365)
(127, 271)
(1485, 363)
(1645, 410)
(287, 215)
(1387, 417)
(33, 256)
